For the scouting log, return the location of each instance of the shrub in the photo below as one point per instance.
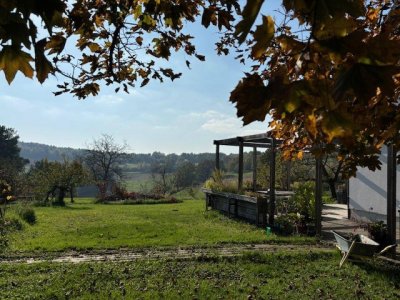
(12, 224)
(304, 199)
(140, 198)
(285, 224)
(27, 214)
(3, 238)
(217, 184)
(6, 226)
(379, 233)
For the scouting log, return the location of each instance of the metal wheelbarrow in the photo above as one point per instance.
(360, 247)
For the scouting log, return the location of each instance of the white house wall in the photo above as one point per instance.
(368, 192)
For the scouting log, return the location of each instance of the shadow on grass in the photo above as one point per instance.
(78, 207)
(382, 268)
(74, 207)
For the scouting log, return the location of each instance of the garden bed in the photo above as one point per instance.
(251, 209)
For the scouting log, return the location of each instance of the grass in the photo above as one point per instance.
(85, 225)
(137, 182)
(312, 275)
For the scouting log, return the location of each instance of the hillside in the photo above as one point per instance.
(132, 162)
(136, 162)
(35, 152)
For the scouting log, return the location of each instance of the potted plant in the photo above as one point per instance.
(379, 233)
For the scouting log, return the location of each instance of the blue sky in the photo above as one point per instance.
(181, 116)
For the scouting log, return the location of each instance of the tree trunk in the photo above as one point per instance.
(71, 193)
(61, 196)
(332, 188)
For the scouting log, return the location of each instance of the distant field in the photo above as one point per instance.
(136, 181)
(84, 225)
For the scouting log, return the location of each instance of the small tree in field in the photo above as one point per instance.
(103, 159)
(185, 176)
(54, 180)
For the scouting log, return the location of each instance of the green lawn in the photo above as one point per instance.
(302, 275)
(85, 225)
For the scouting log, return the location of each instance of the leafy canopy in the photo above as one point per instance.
(326, 71)
(328, 74)
(119, 41)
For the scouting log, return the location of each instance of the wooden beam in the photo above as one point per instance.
(259, 145)
(240, 175)
(216, 156)
(318, 196)
(391, 193)
(254, 169)
(228, 142)
(272, 184)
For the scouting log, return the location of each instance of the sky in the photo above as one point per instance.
(171, 117)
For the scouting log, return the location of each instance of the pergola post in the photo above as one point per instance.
(240, 175)
(216, 156)
(254, 168)
(272, 184)
(391, 193)
(288, 170)
(318, 196)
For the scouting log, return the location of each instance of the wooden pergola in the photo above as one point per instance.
(265, 140)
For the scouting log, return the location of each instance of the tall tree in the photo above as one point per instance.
(185, 175)
(103, 159)
(11, 163)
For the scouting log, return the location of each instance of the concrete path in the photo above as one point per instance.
(334, 217)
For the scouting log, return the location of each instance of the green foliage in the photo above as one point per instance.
(304, 199)
(379, 233)
(185, 176)
(3, 238)
(217, 183)
(8, 226)
(27, 214)
(51, 181)
(11, 163)
(284, 224)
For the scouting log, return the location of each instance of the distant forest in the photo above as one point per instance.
(136, 162)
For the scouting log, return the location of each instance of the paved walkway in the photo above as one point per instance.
(334, 217)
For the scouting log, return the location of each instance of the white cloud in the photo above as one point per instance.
(109, 99)
(231, 126)
(16, 103)
(206, 114)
